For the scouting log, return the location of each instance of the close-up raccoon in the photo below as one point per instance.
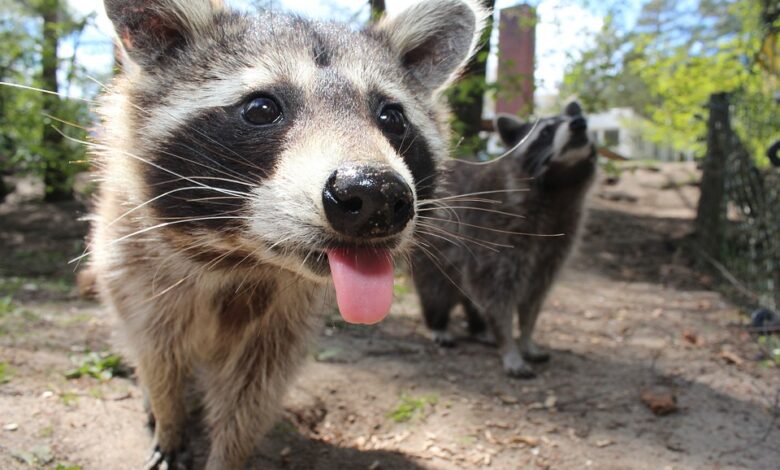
(247, 162)
(500, 258)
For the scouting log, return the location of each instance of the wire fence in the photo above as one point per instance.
(750, 245)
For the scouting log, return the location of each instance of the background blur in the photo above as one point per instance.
(673, 295)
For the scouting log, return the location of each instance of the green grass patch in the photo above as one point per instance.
(66, 466)
(771, 346)
(10, 286)
(46, 432)
(69, 398)
(6, 305)
(100, 366)
(5, 373)
(408, 407)
(400, 288)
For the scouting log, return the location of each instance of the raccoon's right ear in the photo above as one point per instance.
(435, 38)
(511, 129)
(150, 29)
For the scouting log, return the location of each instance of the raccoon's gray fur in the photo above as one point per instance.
(235, 151)
(489, 257)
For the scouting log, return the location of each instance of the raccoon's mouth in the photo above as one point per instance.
(362, 276)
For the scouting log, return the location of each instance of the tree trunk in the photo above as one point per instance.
(468, 108)
(377, 9)
(711, 214)
(55, 177)
(3, 189)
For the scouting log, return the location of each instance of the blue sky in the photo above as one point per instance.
(561, 33)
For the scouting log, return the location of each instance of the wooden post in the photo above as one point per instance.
(711, 214)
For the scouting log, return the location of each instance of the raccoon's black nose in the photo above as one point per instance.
(367, 201)
(578, 124)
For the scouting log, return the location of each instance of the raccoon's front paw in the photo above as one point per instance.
(168, 460)
(536, 355)
(515, 367)
(443, 338)
(485, 337)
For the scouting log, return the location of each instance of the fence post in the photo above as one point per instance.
(711, 214)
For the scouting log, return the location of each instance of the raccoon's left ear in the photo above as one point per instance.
(511, 129)
(435, 38)
(149, 30)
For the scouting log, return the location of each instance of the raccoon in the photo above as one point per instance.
(500, 257)
(247, 161)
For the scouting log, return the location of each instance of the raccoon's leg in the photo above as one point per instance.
(500, 315)
(476, 324)
(162, 377)
(528, 314)
(437, 299)
(243, 390)
(436, 312)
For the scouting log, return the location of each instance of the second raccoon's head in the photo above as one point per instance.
(274, 139)
(561, 139)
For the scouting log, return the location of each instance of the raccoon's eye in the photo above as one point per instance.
(392, 119)
(262, 111)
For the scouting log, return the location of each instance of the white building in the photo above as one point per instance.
(621, 130)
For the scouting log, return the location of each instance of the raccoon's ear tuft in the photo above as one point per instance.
(148, 29)
(511, 129)
(573, 109)
(435, 39)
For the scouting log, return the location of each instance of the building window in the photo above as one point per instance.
(612, 137)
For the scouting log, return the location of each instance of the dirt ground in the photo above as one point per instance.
(629, 324)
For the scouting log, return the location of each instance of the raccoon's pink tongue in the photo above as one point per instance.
(364, 283)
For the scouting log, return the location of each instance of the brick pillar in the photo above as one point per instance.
(516, 50)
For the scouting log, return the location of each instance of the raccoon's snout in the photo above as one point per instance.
(367, 201)
(578, 124)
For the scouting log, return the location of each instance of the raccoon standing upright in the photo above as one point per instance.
(499, 258)
(246, 161)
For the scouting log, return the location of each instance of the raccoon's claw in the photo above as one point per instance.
(516, 368)
(444, 339)
(532, 353)
(536, 356)
(175, 460)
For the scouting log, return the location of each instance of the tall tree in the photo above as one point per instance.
(466, 97)
(29, 142)
(58, 182)
(669, 63)
(377, 9)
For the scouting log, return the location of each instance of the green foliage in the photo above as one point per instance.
(6, 305)
(409, 406)
(771, 344)
(5, 373)
(668, 64)
(23, 119)
(100, 366)
(69, 399)
(67, 467)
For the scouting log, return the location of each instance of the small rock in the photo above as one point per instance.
(285, 452)
(11, 427)
(376, 465)
(604, 443)
(691, 337)
(764, 318)
(508, 399)
(731, 357)
(660, 403)
(530, 441)
(550, 402)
